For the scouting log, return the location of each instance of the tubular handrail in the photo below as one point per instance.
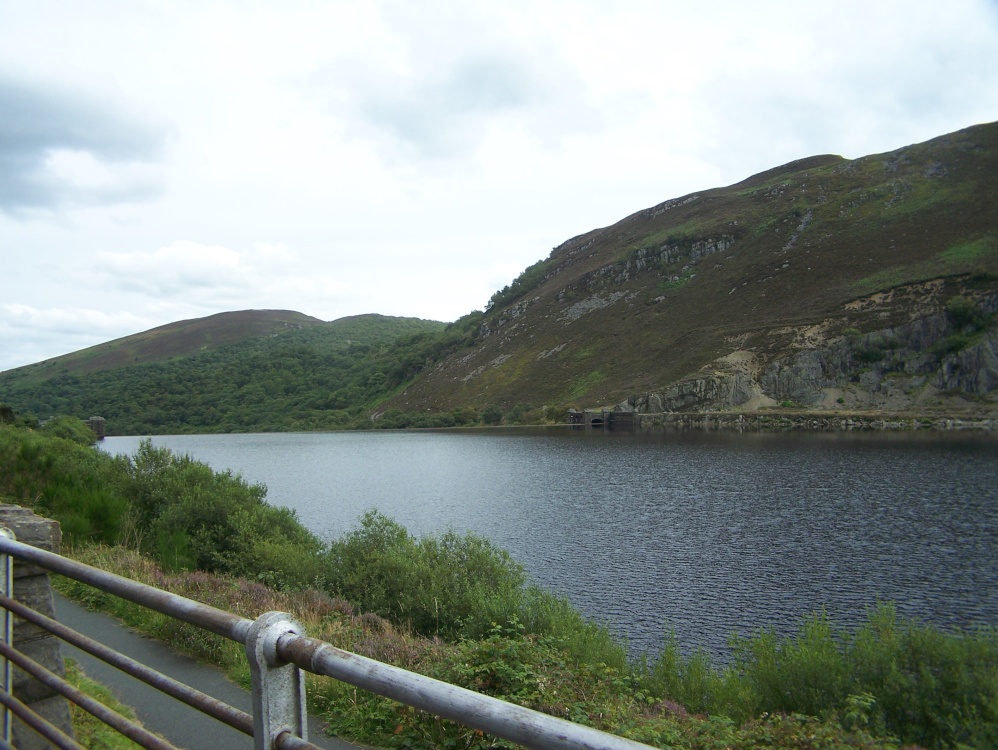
(239, 720)
(274, 645)
(113, 719)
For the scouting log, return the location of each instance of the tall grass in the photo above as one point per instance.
(891, 675)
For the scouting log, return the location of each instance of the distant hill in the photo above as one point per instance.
(239, 371)
(826, 283)
(182, 339)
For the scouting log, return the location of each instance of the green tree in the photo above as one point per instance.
(492, 414)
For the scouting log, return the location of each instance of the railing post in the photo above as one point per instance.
(33, 589)
(278, 687)
(7, 587)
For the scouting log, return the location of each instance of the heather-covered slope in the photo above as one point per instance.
(825, 282)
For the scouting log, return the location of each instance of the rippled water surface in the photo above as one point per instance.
(706, 533)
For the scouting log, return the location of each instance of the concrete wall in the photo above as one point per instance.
(33, 589)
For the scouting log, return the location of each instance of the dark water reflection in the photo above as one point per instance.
(708, 533)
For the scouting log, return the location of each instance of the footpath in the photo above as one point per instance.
(180, 724)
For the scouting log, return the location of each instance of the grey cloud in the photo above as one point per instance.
(440, 114)
(38, 120)
(443, 109)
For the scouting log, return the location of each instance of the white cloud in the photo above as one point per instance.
(33, 334)
(213, 278)
(440, 82)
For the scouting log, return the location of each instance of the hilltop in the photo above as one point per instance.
(184, 338)
(822, 284)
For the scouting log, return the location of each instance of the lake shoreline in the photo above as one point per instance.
(817, 421)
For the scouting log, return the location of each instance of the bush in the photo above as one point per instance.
(452, 585)
(933, 688)
(965, 315)
(804, 674)
(491, 415)
(70, 428)
(66, 480)
(869, 355)
(195, 518)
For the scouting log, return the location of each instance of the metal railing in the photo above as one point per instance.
(278, 655)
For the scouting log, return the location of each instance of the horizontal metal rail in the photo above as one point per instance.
(506, 720)
(113, 719)
(53, 734)
(203, 702)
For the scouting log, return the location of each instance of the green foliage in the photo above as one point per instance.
(304, 379)
(677, 282)
(977, 256)
(531, 277)
(890, 677)
(584, 383)
(451, 585)
(952, 344)
(966, 316)
(69, 428)
(63, 479)
(195, 518)
(523, 414)
(90, 731)
(931, 688)
(560, 622)
(394, 419)
(492, 414)
(682, 235)
(690, 681)
(968, 321)
(792, 675)
(973, 252)
(869, 355)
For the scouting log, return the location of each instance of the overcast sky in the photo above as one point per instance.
(168, 160)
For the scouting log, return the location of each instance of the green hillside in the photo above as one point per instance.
(254, 370)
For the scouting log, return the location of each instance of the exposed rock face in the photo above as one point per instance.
(900, 367)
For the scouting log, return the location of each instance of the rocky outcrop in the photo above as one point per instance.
(912, 365)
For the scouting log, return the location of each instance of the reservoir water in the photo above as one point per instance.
(704, 533)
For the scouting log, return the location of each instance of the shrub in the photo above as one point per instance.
(803, 674)
(933, 688)
(869, 355)
(451, 585)
(965, 315)
(491, 415)
(69, 428)
(197, 518)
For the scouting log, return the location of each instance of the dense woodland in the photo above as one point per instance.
(314, 378)
(459, 609)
